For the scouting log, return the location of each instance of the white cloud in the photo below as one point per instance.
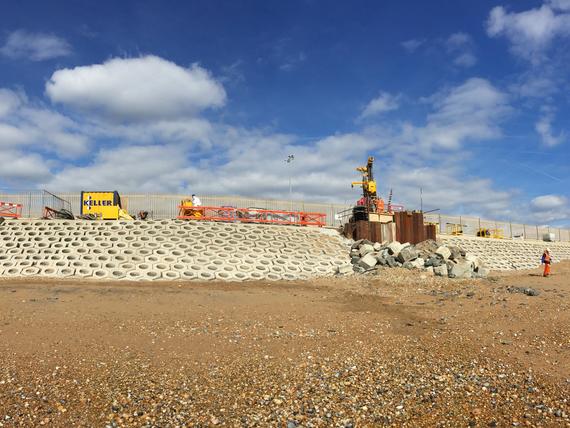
(547, 208)
(12, 136)
(458, 40)
(474, 97)
(461, 46)
(61, 134)
(468, 112)
(242, 162)
(413, 44)
(258, 160)
(548, 202)
(293, 62)
(19, 168)
(447, 187)
(530, 32)
(9, 101)
(381, 104)
(536, 84)
(544, 129)
(559, 4)
(149, 168)
(233, 73)
(24, 123)
(136, 89)
(283, 54)
(34, 46)
(466, 59)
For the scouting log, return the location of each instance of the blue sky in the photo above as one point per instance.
(467, 100)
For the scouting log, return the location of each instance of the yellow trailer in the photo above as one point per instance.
(104, 205)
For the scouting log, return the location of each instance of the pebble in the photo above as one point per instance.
(384, 365)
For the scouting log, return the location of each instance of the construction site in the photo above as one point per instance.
(179, 310)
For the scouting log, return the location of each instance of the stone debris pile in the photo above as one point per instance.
(428, 256)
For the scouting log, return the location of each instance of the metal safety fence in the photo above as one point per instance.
(163, 206)
(471, 226)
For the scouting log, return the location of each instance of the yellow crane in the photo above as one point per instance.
(369, 196)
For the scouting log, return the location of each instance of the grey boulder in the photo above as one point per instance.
(407, 255)
(443, 252)
(395, 248)
(365, 249)
(461, 269)
(440, 270)
(368, 261)
(391, 261)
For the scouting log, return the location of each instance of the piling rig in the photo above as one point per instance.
(370, 202)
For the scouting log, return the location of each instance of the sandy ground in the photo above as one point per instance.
(391, 348)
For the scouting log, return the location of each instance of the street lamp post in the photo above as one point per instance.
(289, 161)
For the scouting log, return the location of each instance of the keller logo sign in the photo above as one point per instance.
(102, 204)
(90, 202)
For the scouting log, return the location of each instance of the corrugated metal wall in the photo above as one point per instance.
(165, 206)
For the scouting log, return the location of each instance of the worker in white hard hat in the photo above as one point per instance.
(196, 201)
(546, 261)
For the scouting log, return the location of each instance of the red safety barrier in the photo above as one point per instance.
(252, 215)
(8, 209)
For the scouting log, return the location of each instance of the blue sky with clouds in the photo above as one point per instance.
(467, 100)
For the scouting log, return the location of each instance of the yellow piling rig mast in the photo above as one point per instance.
(372, 203)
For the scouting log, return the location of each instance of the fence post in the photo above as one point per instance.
(29, 204)
(511, 228)
(537, 232)
(524, 231)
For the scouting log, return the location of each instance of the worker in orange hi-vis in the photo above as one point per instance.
(380, 205)
(546, 260)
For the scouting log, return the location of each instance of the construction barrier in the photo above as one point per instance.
(252, 215)
(8, 209)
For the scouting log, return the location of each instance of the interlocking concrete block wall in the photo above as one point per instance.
(167, 249)
(506, 254)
